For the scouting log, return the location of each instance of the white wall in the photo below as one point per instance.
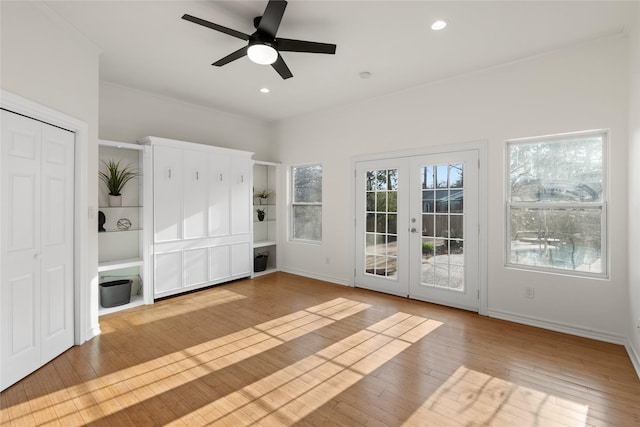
(634, 196)
(47, 62)
(580, 88)
(128, 114)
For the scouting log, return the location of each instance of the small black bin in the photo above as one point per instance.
(114, 293)
(260, 262)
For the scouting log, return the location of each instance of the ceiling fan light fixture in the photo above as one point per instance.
(438, 25)
(262, 54)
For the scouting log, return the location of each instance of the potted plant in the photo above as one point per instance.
(260, 214)
(115, 179)
(263, 195)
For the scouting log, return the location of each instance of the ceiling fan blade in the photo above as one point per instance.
(231, 57)
(282, 68)
(270, 20)
(216, 27)
(290, 45)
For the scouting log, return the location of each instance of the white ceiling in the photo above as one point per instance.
(146, 45)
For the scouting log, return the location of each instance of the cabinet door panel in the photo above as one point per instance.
(241, 259)
(219, 262)
(241, 213)
(195, 194)
(167, 194)
(168, 272)
(219, 193)
(196, 266)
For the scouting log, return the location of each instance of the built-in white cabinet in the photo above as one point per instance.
(265, 217)
(122, 244)
(167, 191)
(219, 201)
(202, 219)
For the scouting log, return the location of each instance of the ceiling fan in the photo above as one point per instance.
(263, 47)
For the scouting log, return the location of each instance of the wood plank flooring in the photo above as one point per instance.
(284, 350)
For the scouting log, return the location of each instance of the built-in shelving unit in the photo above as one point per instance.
(122, 249)
(265, 230)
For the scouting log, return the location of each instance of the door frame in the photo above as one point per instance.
(85, 326)
(482, 146)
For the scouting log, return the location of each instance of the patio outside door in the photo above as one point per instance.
(417, 227)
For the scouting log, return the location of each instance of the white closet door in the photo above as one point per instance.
(57, 241)
(37, 245)
(219, 187)
(167, 194)
(195, 194)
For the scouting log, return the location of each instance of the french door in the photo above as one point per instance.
(417, 227)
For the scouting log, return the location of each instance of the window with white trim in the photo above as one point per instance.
(306, 203)
(556, 203)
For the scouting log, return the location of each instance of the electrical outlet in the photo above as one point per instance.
(529, 292)
(327, 260)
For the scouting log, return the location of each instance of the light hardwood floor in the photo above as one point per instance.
(285, 350)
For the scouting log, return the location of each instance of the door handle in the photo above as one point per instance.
(413, 230)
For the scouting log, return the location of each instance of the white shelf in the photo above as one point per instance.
(267, 271)
(136, 300)
(264, 243)
(121, 263)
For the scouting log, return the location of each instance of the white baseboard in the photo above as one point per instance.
(559, 327)
(316, 276)
(93, 332)
(634, 356)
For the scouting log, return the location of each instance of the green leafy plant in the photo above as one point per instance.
(263, 194)
(116, 177)
(427, 248)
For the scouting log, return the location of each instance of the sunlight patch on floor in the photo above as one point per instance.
(288, 395)
(178, 307)
(151, 378)
(474, 398)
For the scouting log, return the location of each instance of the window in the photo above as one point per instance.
(556, 203)
(306, 203)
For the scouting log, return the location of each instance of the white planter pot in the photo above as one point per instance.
(115, 200)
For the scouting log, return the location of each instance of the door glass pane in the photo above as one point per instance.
(443, 226)
(381, 223)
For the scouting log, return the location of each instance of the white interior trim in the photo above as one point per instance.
(579, 331)
(634, 356)
(12, 102)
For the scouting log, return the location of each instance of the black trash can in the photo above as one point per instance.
(260, 262)
(115, 293)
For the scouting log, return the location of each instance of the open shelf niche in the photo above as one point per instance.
(122, 248)
(265, 230)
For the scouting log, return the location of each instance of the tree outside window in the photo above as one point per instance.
(306, 203)
(556, 203)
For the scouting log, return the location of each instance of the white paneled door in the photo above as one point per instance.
(37, 245)
(417, 227)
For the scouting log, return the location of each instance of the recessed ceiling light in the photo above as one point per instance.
(365, 75)
(265, 90)
(438, 25)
